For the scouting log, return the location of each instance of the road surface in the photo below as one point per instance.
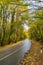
(13, 55)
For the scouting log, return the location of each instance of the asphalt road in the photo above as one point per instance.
(13, 55)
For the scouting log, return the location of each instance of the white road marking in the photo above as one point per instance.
(10, 54)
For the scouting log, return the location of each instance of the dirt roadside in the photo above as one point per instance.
(9, 46)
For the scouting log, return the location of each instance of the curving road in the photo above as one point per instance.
(13, 55)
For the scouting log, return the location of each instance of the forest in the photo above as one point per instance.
(14, 15)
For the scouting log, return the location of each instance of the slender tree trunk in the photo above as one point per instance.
(4, 19)
(11, 28)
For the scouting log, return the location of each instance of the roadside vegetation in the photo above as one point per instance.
(36, 31)
(36, 27)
